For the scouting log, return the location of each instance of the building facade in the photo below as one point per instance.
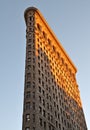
(51, 94)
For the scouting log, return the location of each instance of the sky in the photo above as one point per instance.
(70, 21)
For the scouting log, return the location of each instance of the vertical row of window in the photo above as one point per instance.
(30, 50)
(30, 72)
(29, 116)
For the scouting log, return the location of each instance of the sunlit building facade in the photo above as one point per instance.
(51, 94)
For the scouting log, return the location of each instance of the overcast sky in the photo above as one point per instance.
(70, 21)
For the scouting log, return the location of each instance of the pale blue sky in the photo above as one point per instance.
(70, 21)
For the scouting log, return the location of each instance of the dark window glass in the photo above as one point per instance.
(28, 94)
(27, 105)
(33, 105)
(28, 84)
(40, 120)
(44, 124)
(33, 117)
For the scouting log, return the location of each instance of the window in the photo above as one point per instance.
(33, 117)
(27, 117)
(51, 118)
(43, 92)
(44, 124)
(43, 76)
(50, 98)
(43, 102)
(41, 60)
(40, 109)
(51, 108)
(29, 67)
(47, 105)
(55, 114)
(45, 57)
(33, 53)
(31, 23)
(62, 119)
(39, 27)
(33, 84)
(58, 54)
(30, 40)
(60, 126)
(28, 94)
(39, 80)
(53, 95)
(38, 64)
(49, 127)
(56, 98)
(39, 72)
(33, 76)
(38, 57)
(49, 41)
(47, 96)
(53, 128)
(40, 120)
(33, 60)
(49, 88)
(33, 105)
(31, 18)
(56, 91)
(28, 75)
(44, 34)
(46, 79)
(31, 29)
(29, 59)
(27, 105)
(33, 128)
(42, 68)
(48, 116)
(28, 84)
(56, 124)
(54, 49)
(59, 116)
(33, 94)
(33, 68)
(39, 99)
(57, 107)
(63, 128)
(33, 44)
(39, 89)
(30, 35)
(42, 83)
(44, 113)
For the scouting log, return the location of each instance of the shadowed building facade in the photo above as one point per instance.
(51, 94)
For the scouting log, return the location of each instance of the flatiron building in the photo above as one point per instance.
(51, 94)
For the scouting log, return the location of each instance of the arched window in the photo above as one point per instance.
(49, 41)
